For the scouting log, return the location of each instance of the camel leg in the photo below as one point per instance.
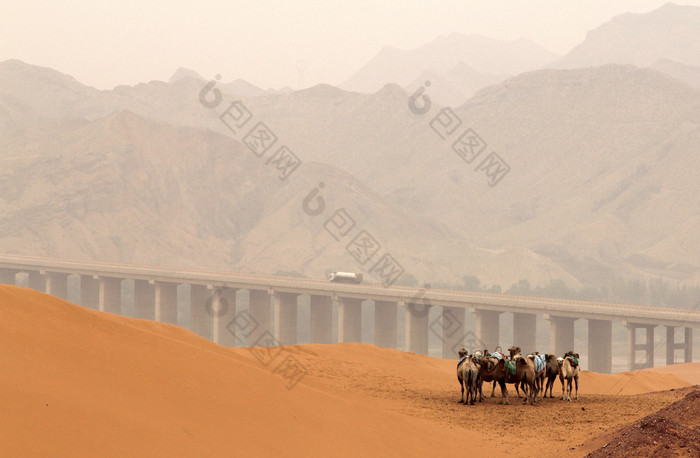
(480, 385)
(576, 381)
(504, 392)
(461, 385)
(467, 388)
(537, 387)
(493, 390)
(472, 390)
(563, 388)
(550, 384)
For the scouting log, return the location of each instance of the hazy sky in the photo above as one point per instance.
(107, 43)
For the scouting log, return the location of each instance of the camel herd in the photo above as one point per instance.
(534, 374)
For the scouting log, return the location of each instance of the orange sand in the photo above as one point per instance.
(690, 372)
(77, 382)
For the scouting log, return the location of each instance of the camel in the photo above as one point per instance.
(469, 373)
(551, 372)
(463, 354)
(492, 360)
(514, 351)
(480, 382)
(525, 373)
(514, 355)
(568, 372)
(538, 360)
(489, 371)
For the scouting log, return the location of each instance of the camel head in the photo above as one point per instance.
(514, 351)
(478, 354)
(462, 353)
(560, 361)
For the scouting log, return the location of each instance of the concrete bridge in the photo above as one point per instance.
(271, 318)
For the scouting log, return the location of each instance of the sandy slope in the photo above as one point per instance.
(75, 382)
(78, 382)
(690, 372)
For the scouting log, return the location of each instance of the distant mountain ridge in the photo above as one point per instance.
(669, 32)
(442, 55)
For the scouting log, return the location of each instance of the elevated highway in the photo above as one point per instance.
(273, 309)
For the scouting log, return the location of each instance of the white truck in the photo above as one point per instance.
(345, 277)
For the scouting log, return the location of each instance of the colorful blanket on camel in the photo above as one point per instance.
(497, 355)
(510, 367)
(540, 362)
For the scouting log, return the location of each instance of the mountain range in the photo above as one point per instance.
(599, 154)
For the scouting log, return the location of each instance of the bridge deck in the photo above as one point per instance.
(450, 298)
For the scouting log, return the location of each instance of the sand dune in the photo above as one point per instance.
(80, 382)
(76, 382)
(690, 372)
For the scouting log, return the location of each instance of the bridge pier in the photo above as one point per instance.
(672, 345)
(647, 346)
(561, 334)
(57, 284)
(385, 319)
(452, 331)
(200, 320)
(599, 346)
(165, 302)
(7, 276)
(110, 295)
(321, 319)
(349, 319)
(417, 327)
(144, 300)
(487, 328)
(90, 291)
(260, 328)
(525, 331)
(285, 317)
(36, 280)
(223, 310)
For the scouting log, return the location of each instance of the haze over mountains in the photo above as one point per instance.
(602, 154)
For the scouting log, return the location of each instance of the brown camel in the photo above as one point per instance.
(568, 372)
(525, 373)
(551, 371)
(514, 355)
(490, 361)
(514, 351)
(498, 372)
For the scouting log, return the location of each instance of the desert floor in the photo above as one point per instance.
(77, 382)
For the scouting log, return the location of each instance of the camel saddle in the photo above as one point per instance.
(497, 355)
(510, 367)
(574, 359)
